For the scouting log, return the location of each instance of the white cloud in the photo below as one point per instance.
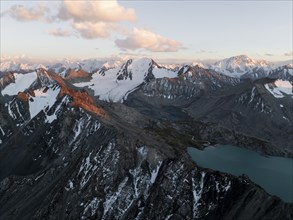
(59, 32)
(144, 39)
(95, 11)
(95, 19)
(93, 30)
(22, 13)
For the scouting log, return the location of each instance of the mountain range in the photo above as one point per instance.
(237, 66)
(107, 139)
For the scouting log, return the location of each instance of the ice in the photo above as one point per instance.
(22, 82)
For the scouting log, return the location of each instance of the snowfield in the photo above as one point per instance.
(43, 100)
(108, 88)
(22, 82)
(279, 88)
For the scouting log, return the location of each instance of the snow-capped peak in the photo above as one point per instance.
(239, 65)
(116, 83)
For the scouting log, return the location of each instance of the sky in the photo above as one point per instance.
(162, 30)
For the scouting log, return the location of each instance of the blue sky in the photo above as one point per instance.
(179, 30)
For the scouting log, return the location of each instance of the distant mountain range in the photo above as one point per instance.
(238, 66)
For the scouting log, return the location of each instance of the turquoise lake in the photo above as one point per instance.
(274, 174)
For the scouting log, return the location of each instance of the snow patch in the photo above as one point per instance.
(51, 118)
(197, 192)
(155, 172)
(161, 73)
(77, 131)
(143, 151)
(43, 100)
(280, 88)
(70, 184)
(40, 176)
(226, 188)
(3, 133)
(108, 204)
(252, 94)
(22, 82)
(10, 111)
